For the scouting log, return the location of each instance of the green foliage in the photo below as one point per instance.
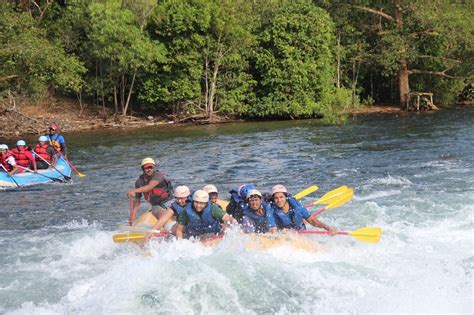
(294, 65)
(32, 62)
(207, 42)
(260, 58)
(180, 26)
(435, 39)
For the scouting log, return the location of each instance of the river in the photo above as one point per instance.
(413, 177)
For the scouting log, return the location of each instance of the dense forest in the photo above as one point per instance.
(260, 58)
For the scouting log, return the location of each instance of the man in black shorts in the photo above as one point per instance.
(154, 186)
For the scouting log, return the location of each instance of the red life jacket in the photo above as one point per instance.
(22, 157)
(160, 193)
(41, 151)
(3, 161)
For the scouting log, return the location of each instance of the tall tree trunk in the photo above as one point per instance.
(127, 103)
(355, 76)
(213, 88)
(102, 88)
(81, 105)
(338, 79)
(115, 99)
(404, 73)
(206, 79)
(122, 93)
(404, 83)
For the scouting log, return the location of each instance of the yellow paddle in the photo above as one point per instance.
(137, 229)
(341, 199)
(328, 196)
(71, 165)
(134, 237)
(336, 201)
(306, 192)
(365, 234)
(331, 194)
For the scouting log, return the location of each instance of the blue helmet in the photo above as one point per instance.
(244, 190)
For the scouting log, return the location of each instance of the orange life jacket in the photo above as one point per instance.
(22, 157)
(42, 152)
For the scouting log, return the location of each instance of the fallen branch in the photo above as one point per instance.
(376, 12)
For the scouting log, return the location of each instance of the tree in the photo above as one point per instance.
(120, 48)
(29, 62)
(207, 43)
(420, 37)
(295, 63)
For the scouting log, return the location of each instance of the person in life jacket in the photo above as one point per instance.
(168, 219)
(289, 213)
(154, 186)
(56, 139)
(214, 196)
(7, 160)
(258, 215)
(45, 155)
(238, 201)
(201, 218)
(23, 156)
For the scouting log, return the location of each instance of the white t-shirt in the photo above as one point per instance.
(11, 160)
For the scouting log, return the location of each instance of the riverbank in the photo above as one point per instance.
(34, 119)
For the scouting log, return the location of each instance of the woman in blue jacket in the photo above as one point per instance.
(289, 213)
(257, 215)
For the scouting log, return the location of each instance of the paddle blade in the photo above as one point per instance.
(134, 237)
(331, 194)
(367, 234)
(137, 229)
(341, 199)
(129, 237)
(81, 175)
(306, 192)
(335, 201)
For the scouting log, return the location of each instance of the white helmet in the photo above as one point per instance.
(181, 192)
(254, 192)
(279, 188)
(3, 146)
(201, 196)
(20, 142)
(210, 189)
(43, 139)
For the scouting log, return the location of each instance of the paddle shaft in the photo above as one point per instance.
(65, 177)
(131, 218)
(71, 165)
(315, 214)
(122, 238)
(10, 176)
(321, 232)
(31, 171)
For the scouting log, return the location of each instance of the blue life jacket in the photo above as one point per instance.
(293, 219)
(235, 206)
(234, 196)
(200, 224)
(258, 224)
(177, 209)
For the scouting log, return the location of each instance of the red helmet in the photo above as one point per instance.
(53, 126)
